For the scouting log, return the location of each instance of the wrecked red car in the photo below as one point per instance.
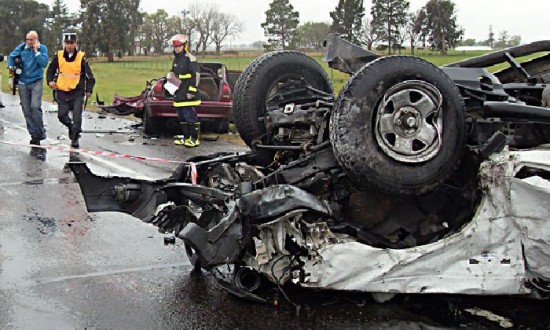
(154, 104)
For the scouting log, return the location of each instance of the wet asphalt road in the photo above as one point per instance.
(63, 268)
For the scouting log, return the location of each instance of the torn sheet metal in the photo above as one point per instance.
(530, 209)
(485, 257)
(286, 233)
(271, 202)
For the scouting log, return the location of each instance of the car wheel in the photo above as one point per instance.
(254, 90)
(150, 125)
(398, 126)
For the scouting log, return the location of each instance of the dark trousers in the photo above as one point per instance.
(187, 114)
(31, 102)
(70, 104)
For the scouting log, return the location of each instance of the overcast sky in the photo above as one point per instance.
(528, 18)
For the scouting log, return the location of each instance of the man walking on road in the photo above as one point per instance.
(34, 58)
(71, 77)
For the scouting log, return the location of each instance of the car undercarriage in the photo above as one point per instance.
(413, 179)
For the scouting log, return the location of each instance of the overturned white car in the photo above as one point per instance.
(414, 179)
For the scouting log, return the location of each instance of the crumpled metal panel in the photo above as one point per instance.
(530, 200)
(536, 158)
(218, 245)
(531, 212)
(221, 244)
(485, 257)
(274, 201)
(272, 259)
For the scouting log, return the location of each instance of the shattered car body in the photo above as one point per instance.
(155, 107)
(415, 179)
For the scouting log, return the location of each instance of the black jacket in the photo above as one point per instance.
(87, 80)
(185, 64)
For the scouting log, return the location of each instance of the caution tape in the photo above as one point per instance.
(194, 173)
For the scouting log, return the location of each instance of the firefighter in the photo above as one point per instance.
(70, 76)
(185, 74)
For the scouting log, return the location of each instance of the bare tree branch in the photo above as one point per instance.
(225, 26)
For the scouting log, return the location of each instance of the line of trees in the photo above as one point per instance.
(18, 17)
(389, 22)
(115, 27)
(504, 40)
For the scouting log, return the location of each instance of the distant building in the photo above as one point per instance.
(472, 48)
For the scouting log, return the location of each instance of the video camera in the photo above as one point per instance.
(18, 65)
(15, 72)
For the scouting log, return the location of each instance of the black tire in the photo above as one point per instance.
(364, 124)
(258, 80)
(150, 124)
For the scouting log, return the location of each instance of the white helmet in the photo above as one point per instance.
(178, 39)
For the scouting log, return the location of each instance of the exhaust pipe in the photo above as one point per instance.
(247, 279)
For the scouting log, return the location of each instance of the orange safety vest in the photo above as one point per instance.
(69, 72)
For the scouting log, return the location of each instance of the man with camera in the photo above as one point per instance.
(33, 57)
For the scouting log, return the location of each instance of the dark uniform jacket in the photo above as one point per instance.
(87, 80)
(186, 69)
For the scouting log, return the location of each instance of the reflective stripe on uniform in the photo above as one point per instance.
(192, 88)
(187, 103)
(185, 76)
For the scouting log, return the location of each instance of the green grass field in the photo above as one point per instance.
(127, 76)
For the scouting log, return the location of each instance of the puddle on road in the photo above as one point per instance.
(69, 227)
(50, 181)
(198, 292)
(45, 225)
(66, 180)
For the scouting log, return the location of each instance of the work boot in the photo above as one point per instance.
(69, 126)
(71, 132)
(193, 139)
(179, 140)
(74, 139)
(38, 153)
(41, 154)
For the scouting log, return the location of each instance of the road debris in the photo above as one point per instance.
(502, 321)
